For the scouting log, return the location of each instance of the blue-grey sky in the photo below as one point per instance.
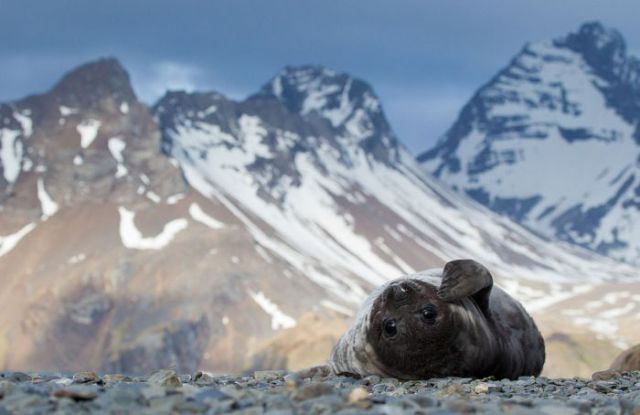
(424, 58)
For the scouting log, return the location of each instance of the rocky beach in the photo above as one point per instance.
(279, 392)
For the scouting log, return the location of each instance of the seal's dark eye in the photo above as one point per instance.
(390, 327)
(429, 313)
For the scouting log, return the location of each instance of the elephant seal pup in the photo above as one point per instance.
(436, 323)
(628, 360)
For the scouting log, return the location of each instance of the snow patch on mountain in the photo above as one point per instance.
(66, 111)
(76, 259)
(10, 154)
(88, 131)
(279, 320)
(48, 206)
(132, 238)
(116, 147)
(9, 242)
(25, 122)
(199, 215)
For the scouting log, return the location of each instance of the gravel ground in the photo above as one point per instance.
(279, 392)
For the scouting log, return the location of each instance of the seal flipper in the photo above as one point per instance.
(315, 371)
(466, 278)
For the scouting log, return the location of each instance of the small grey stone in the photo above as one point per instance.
(203, 378)
(210, 394)
(389, 381)
(279, 412)
(166, 404)
(153, 391)
(484, 387)
(400, 391)
(358, 398)
(269, 375)
(189, 406)
(371, 380)
(116, 378)
(15, 376)
(324, 404)
(460, 406)
(379, 388)
(22, 403)
(33, 389)
(292, 381)
(123, 395)
(249, 411)
(234, 391)
(553, 408)
(606, 375)
(311, 390)
(602, 386)
(6, 387)
(631, 402)
(425, 401)
(86, 377)
(451, 390)
(77, 392)
(165, 377)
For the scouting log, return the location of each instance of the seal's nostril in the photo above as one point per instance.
(401, 292)
(406, 287)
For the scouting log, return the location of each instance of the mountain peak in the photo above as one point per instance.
(348, 104)
(554, 107)
(94, 81)
(332, 95)
(595, 34)
(603, 48)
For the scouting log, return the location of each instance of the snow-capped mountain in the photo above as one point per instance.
(195, 233)
(553, 141)
(344, 214)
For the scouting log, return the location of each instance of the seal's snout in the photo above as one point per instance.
(400, 292)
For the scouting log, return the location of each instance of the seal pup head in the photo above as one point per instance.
(412, 331)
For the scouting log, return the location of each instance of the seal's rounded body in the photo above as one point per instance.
(628, 360)
(450, 322)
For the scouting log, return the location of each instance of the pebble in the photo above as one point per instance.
(606, 375)
(268, 375)
(311, 390)
(371, 380)
(486, 388)
(602, 386)
(116, 378)
(451, 390)
(6, 387)
(165, 377)
(357, 395)
(153, 391)
(204, 378)
(86, 377)
(15, 377)
(293, 381)
(77, 393)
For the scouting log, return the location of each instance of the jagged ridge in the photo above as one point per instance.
(530, 143)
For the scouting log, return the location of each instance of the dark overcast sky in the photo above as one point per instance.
(424, 58)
